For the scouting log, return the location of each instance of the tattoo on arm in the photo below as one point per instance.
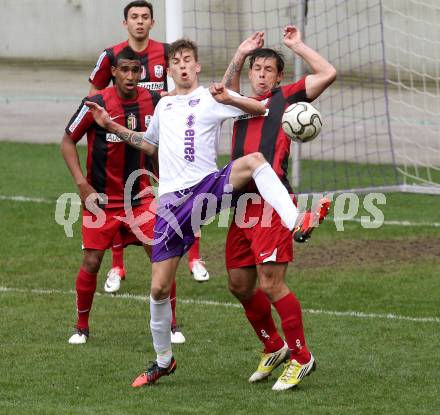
(133, 138)
(130, 137)
(233, 69)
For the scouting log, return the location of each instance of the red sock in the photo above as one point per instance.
(173, 303)
(194, 252)
(258, 312)
(117, 252)
(289, 310)
(85, 290)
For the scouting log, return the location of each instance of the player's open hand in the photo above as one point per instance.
(256, 41)
(292, 36)
(100, 115)
(220, 93)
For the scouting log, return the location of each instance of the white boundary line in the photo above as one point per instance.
(356, 314)
(358, 220)
(391, 222)
(26, 199)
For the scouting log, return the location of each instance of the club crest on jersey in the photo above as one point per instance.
(190, 121)
(143, 72)
(147, 120)
(193, 102)
(131, 122)
(158, 71)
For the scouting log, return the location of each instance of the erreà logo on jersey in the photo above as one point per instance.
(190, 120)
(147, 120)
(189, 147)
(158, 71)
(131, 122)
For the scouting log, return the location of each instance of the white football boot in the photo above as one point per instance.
(199, 271)
(177, 336)
(113, 281)
(79, 337)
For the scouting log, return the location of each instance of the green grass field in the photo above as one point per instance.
(370, 300)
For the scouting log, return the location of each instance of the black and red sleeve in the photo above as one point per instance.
(82, 120)
(102, 74)
(295, 92)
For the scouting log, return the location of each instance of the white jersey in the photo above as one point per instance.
(187, 127)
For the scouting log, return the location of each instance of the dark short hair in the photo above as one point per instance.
(267, 53)
(127, 53)
(138, 3)
(181, 44)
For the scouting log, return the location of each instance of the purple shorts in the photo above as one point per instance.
(181, 214)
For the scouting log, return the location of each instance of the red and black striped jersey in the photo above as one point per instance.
(264, 133)
(110, 161)
(154, 62)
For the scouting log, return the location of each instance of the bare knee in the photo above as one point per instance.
(240, 291)
(255, 160)
(160, 289)
(241, 282)
(162, 277)
(271, 285)
(92, 260)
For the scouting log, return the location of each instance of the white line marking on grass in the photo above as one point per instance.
(20, 198)
(26, 199)
(392, 222)
(144, 298)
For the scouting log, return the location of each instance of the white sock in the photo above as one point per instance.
(160, 326)
(274, 193)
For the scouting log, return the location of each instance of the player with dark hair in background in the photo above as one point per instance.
(263, 251)
(139, 20)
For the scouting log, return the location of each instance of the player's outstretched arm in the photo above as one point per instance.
(231, 78)
(324, 73)
(249, 105)
(134, 138)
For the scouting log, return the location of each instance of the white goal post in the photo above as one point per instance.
(381, 117)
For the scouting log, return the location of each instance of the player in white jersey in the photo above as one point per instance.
(186, 128)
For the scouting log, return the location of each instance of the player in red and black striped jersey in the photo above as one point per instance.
(112, 166)
(263, 251)
(138, 20)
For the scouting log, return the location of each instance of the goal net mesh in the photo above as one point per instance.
(381, 117)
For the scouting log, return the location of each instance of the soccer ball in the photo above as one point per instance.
(301, 122)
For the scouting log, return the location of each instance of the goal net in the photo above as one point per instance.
(382, 115)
